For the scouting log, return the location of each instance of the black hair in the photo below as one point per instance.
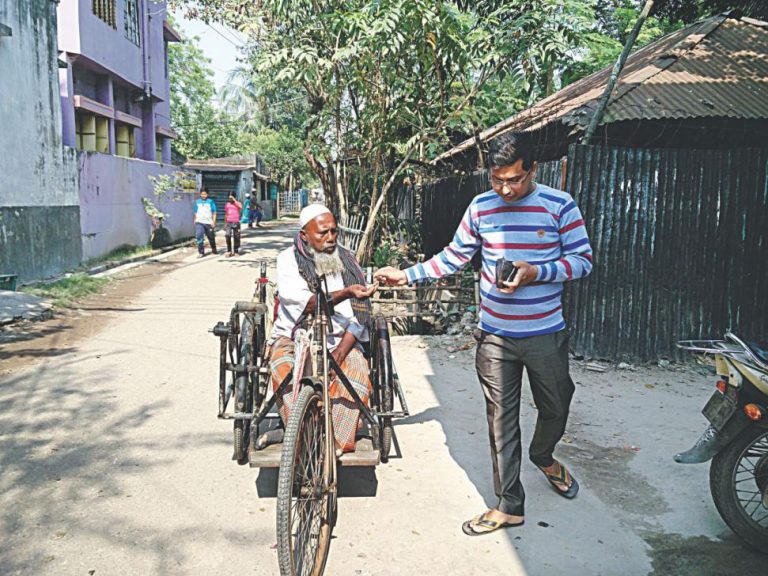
(508, 148)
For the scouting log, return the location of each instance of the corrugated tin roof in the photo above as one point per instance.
(230, 164)
(714, 68)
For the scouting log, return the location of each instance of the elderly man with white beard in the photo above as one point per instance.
(315, 253)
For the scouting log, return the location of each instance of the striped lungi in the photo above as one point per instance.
(344, 411)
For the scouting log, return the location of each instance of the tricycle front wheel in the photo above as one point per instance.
(306, 499)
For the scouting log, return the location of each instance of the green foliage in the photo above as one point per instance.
(258, 101)
(692, 10)
(152, 210)
(381, 83)
(282, 151)
(385, 253)
(164, 187)
(204, 131)
(613, 23)
(67, 291)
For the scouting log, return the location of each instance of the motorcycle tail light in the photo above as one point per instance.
(753, 412)
(722, 386)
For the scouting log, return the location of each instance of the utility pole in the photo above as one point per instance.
(614, 78)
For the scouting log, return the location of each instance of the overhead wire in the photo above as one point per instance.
(225, 37)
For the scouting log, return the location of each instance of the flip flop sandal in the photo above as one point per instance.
(268, 438)
(561, 479)
(469, 527)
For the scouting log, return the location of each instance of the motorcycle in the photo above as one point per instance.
(736, 439)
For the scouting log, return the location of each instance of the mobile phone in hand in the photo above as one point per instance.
(505, 272)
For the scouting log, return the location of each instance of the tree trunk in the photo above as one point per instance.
(365, 241)
(614, 78)
(341, 203)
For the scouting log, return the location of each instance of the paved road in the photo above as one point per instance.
(112, 461)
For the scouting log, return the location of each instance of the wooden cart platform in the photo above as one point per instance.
(364, 455)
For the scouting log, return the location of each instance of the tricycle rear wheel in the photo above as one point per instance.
(382, 357)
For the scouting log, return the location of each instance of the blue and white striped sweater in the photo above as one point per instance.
(544, 229)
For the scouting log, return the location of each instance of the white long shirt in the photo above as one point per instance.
(294, 293)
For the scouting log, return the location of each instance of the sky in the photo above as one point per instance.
(217, 41)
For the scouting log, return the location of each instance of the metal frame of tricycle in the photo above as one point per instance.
(259, 365)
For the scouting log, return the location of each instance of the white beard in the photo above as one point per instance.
(326, 264)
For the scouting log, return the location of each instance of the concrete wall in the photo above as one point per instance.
(244, 184)
(112, 214)
(39, 214)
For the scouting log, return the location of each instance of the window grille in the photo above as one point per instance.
(132, 21)
(105, 10)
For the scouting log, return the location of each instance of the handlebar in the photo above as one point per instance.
(725, 348)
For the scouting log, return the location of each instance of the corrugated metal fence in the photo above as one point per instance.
(680, 240)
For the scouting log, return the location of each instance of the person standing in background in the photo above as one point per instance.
(259, 214)
(205, 223)
(232, 225)
(245, 218)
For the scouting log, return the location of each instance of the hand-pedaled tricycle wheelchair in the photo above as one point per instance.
(307, 461)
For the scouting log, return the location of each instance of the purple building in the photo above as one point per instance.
(115, 111)
(114, 90)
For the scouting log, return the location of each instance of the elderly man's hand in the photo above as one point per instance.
(361, 292)
(526, 273)
(391, 276)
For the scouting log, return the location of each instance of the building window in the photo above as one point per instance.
(159, 149)
(105, 10)
(126, 140)
(91, 132)
(132, 21)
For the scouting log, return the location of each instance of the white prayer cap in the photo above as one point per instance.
(311, 212)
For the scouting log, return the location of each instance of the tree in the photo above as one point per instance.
(691, 10)
(386, 81)
(204, 131)
(613, 23)
(257, 101)
(283, 152)
(271, 117)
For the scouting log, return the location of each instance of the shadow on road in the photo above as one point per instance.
(636, 509)
(70, 456)
(357, 482)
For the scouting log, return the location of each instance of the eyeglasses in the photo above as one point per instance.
(510, 182)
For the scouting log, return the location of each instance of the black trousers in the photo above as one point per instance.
(499, 363)
(232, 229)
(204, 231)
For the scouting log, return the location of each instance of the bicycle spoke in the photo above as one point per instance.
(308, 506)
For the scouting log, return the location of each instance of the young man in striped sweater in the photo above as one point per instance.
(521, 324)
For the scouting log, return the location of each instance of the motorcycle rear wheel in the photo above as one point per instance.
(738, 478)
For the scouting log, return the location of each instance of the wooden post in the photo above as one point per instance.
(563, 172)
(417, 307)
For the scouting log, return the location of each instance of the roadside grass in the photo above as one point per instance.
(120, 253)
(67, 291)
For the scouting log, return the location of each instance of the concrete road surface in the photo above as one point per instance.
(112, 461)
